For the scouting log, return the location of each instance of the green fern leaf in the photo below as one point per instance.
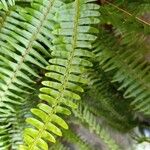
(69, 62)
(24, 30)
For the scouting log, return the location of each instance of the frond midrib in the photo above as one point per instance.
(66, 74)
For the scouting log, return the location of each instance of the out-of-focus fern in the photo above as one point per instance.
(74, 138)
(124, 66)
(129, 28)
(87, 117)
(105, 101)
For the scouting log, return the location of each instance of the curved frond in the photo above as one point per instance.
(54, 42)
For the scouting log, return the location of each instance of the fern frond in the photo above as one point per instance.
(87, 117)
(105, 101)
(69, 61)
(11, 135)
(2, 18)
(4, 14)
(112, 71)
(129, 69)
(27, 33)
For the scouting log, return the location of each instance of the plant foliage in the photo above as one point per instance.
(82, 56)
